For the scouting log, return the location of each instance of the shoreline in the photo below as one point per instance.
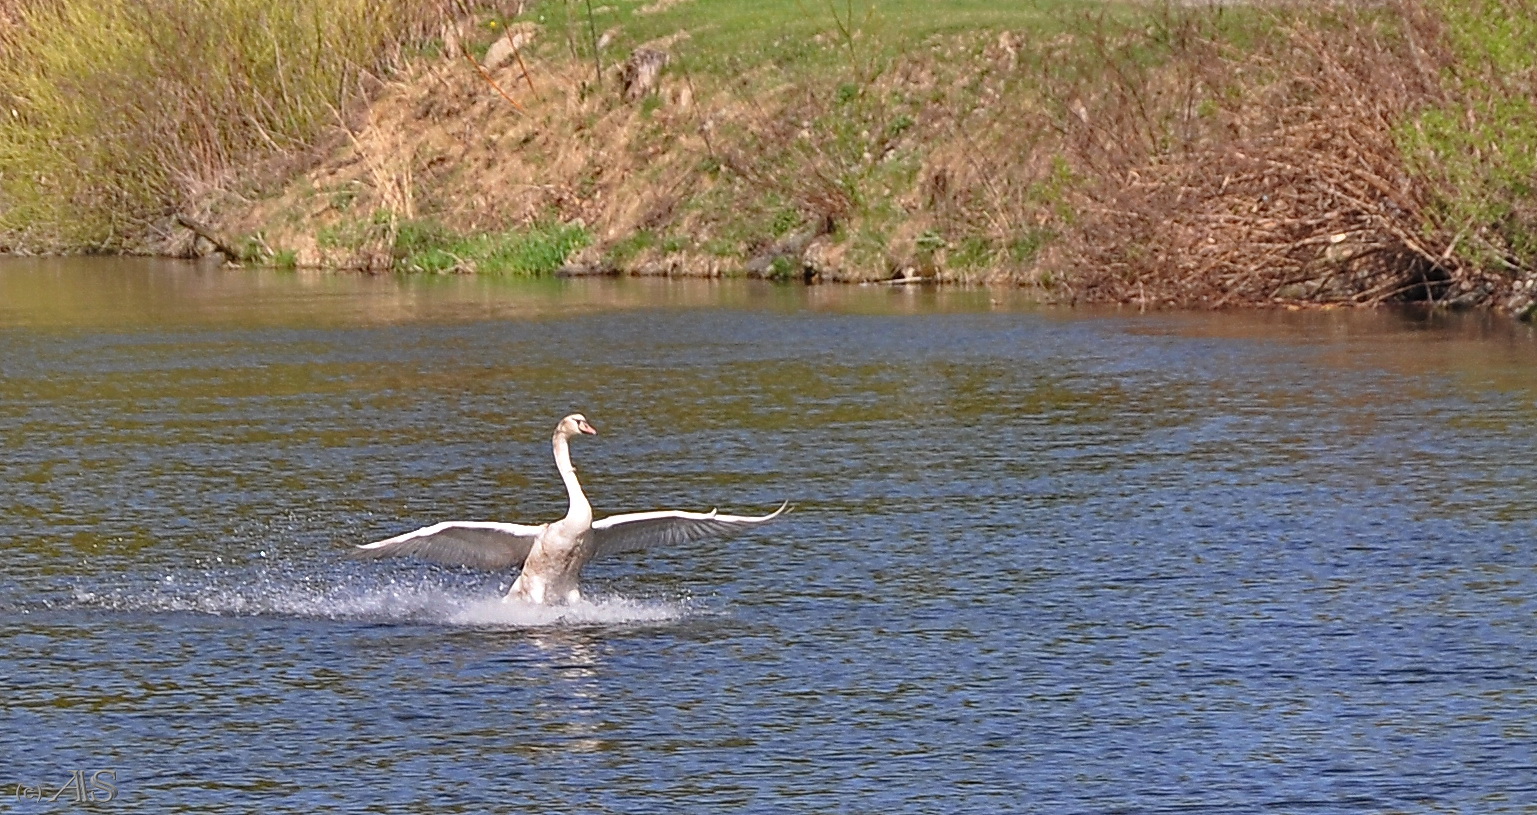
(1175, 157)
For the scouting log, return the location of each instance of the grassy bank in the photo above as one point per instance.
(1141, 153)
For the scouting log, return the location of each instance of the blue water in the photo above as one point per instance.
(1040, 561)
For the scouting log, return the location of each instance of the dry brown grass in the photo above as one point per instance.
(443, 144)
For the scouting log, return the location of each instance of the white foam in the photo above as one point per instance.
(595, 612)
(423, 600)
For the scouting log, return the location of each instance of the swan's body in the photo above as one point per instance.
(552, 555)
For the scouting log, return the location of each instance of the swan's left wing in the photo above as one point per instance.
(638, 530)
(481, 544)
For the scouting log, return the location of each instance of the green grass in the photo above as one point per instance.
(728, 37)
(627, 249)
(427, 246)
(1480, 147)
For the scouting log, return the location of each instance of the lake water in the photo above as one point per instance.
(1040, 561)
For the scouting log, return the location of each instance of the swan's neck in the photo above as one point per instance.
(579, 509)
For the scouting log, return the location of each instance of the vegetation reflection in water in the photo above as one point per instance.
(1042, 561)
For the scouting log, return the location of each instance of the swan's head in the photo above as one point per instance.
(574, 425)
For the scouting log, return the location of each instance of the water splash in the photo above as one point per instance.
(615, 610)
(430, 599)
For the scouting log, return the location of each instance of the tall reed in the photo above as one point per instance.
(115, 113)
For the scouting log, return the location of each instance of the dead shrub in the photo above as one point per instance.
(1289, 190)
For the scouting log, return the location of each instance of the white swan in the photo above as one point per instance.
(552, 555)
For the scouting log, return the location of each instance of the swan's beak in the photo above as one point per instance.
(587, 428)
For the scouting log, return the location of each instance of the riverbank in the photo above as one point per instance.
(1310, 154)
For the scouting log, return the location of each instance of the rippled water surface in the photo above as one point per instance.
(1040, 561)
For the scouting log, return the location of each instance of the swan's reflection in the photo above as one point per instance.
(570, 707)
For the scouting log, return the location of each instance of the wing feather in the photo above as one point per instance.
(479, 544)
(638, 530)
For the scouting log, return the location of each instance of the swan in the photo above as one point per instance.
(552, 555)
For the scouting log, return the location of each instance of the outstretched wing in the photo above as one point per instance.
(637, 530)
(481, 544)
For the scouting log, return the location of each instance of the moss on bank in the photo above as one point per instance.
(1156, 154)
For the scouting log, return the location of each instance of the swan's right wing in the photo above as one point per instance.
(480, 544)
(638, 530)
